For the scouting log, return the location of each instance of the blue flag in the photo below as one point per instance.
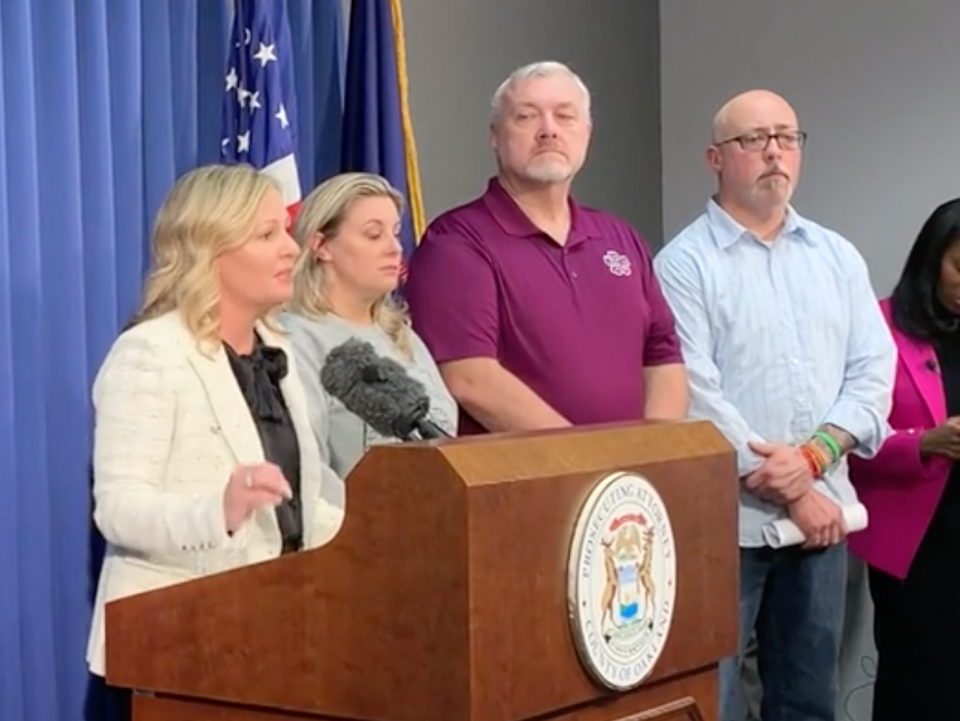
(377, 130)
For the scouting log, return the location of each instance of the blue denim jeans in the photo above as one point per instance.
(794, 600)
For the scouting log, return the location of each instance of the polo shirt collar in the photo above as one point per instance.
(727, 231)
(513, 221)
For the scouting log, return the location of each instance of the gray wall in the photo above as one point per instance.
(875, 85)
(460, 50)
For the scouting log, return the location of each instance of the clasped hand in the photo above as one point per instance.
(784, 478)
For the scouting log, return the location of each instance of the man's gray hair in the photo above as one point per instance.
(540, 69)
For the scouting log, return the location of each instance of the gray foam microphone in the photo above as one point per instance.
(379, 391)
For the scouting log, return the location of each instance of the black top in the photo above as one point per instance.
(946, 521)
(259, 375)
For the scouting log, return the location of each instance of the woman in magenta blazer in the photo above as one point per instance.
(912, 493)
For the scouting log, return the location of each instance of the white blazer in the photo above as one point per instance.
(171, 425)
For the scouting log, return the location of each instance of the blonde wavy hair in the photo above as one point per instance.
(209, 211)
(322, 213)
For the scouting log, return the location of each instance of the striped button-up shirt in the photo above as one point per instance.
(779, 338)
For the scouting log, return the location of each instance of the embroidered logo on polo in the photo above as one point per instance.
(617, 263)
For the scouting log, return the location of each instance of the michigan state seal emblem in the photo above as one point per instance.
(622, 581)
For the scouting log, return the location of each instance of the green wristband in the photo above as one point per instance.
(830, 442)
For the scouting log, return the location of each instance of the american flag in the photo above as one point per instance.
(259, 106)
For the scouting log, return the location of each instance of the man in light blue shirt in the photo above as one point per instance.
(788, 354)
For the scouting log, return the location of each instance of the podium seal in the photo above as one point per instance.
(622, 580)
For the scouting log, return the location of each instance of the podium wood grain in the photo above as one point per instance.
(443, 597)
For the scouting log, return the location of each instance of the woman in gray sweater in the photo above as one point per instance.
(344, 284)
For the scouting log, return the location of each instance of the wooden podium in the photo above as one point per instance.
(445, 595)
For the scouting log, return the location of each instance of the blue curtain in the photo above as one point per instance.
(103, 103)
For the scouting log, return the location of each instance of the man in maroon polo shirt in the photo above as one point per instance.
(542, 313)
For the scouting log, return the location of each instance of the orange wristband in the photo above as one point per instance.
(812, 460)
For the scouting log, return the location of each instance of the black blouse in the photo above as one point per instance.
(259, 375)
(946, 522)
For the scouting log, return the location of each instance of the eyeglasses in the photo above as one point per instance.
(758, 141)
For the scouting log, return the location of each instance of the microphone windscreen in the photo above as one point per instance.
(376, 389)
(344, 366)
